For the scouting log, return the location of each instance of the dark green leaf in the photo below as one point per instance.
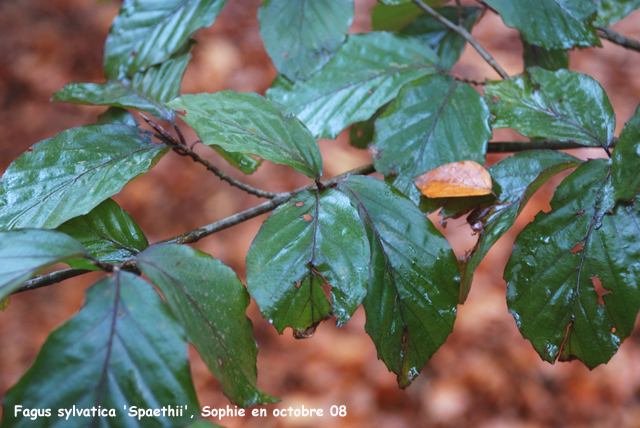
(394, 17)
(447, 43)
(147, 90)
(315, 30)
(109, 234)
(413, 278)
(612, 11)
(559, 262)
(25, 253)
(314, 238)
(366, 73)
(249, 123)
(361, 133)
(210, 302)
(551, 24)
(561, 105)
(118, 115)
(245, 163)
(433, 121)
(625, 173)
(70, 174)
(149, 32)
(515, 180)
(549, 59)
(122, 349)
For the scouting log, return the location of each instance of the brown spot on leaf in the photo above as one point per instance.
(299, 204)
(578, 247)
(599, 288)
(359, 133)
(307, 217)
(495, 99)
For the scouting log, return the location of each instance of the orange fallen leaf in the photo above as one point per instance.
(466, 178)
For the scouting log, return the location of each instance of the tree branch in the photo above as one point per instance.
(280, 198)
(197, 234)
(520, 146)
(618, 39)
(52, 278)
(464, 33)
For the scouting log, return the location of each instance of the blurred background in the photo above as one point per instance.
(485, 375)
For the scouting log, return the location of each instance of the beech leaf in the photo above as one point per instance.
(466, 178)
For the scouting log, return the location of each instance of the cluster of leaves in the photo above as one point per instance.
(325, 249)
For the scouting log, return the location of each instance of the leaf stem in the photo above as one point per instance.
(618, 39)
(464, 33)
(180, 146)
(184, 150)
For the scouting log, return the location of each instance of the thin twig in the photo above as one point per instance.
(519, 146)
(280, 198)
(618, 39)
(464, 33)
(196, 235)
(180, 147)
(52, 278)
(466, 80)
(460, 17)
(179, 132)
(232, 181)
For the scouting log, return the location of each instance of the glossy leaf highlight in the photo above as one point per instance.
(148, 32)
(612, 11)
(249, 123)
(365, 73)
(70, 174)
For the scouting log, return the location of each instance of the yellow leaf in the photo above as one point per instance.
(466, 178)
